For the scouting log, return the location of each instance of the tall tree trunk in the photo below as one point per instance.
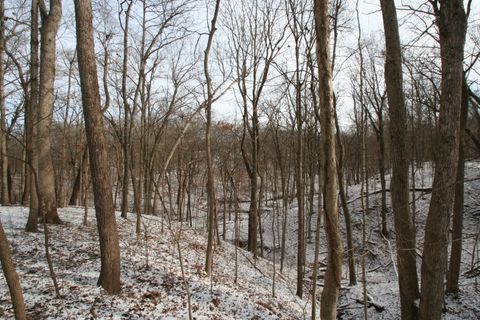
(109, 277)
(45, 171)
(384, 228)
(333, 274)
(352, 276)
(210, 179)
(30, 119)
(451, 21)
(12, 277)
(404, 227)
(61, 192)
(458, 204)
(254, 183)
(3, 119)
(283, 181)
(126, 122)
(299, 176)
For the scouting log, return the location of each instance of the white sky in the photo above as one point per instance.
(370, 17)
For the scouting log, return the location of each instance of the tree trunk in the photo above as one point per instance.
(11, 277)
(281, 164)
(333, 274)
(109, 277)
(259, 217)
(26, 167)
(45, 171)
(30, 119)
(253, 215)
(404, 228)
(61, 192)
(451, 21)
(210, 179)
(78, 179)
(11, 191)
(352, 276)
(299, 177)
(384, 229)
(3, 120)
(126, 106)
(458, 204)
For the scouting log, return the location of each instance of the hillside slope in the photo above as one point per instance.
(152, 282)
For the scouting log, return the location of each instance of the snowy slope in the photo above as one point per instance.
(153, 286)
(152, 283)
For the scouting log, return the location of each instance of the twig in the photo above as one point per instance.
(49, 259)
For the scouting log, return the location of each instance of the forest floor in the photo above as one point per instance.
(153, 286)
(152, 283)
(381, 271)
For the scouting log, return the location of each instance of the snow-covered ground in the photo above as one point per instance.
(153, 286)
(152, 282)
(382, 280)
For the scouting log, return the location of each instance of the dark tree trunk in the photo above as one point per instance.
(78, 179)
(404, 228)
(458, 204)
(3, 119)
(30, 116)
(352, 276)
(126, 122)
(384, 210)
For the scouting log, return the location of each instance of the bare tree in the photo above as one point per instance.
(458, 204)
(126, 105)
(451, 22)
(254, 42)
(328, 164)
(45, 170)
(404, 228)
(3, 119)
(208, 109)
(30, 120)
(297, 23)
(109, 277)
(375, 96)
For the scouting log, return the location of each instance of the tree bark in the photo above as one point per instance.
(333, 274)
(3, 120)
(126, 122)
(384, 210)
(458, 204)
(299, 177)
(352, 276)
(78, 179)
(451, 22)
(210, 179)
(404, 227)
(109, 277)
(45, 171)
(11, 277)
(30, 119)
